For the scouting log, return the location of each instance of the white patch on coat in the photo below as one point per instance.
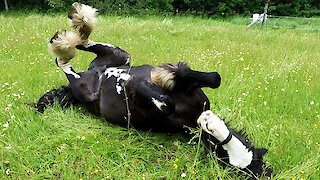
(118, 88)
(67, 69)
(112, 71)
(119, 74)
(128, 61)
(123, 76)
(239, 154)
(158, 103)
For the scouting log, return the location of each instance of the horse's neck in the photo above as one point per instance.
(239, 154)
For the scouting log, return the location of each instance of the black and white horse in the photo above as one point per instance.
(166, 98)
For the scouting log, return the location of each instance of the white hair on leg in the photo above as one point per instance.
(67, 68)
(83, 15)
(63, 45)
(83, 19)
(164, 76)
(239, 155)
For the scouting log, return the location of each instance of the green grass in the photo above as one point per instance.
(270, 87)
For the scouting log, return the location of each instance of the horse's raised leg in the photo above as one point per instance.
(231, 147)
(181, 77)
(85, 86)
(83, 20)
(107, 55)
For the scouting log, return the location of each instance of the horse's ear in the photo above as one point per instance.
(261, 151)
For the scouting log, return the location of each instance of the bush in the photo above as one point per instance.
(195, 7)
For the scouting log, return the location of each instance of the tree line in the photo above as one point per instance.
(306, 8)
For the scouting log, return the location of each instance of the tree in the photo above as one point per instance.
(6, 5)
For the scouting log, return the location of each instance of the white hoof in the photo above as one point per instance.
(63, 45)
(83, 19)
(212, 124)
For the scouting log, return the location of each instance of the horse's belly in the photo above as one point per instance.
(111, 102)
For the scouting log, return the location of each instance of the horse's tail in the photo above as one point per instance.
(62, 95)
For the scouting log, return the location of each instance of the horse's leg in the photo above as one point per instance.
(181, 77)
(85, 86)
(107, 55)
(83, 19)
(63, 95)
(142, 93)
(231, 147)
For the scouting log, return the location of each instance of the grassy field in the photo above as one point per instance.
(270, 87)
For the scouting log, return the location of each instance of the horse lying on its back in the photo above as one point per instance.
(166, 98)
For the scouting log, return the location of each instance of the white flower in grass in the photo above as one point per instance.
(5, 84)
(6, 125)
(312, 103)
(7, 171)
(239, 100)
(8, 147)
(81, 138)
(183, 175)
(265, 103)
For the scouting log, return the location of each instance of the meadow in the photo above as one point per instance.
(270, 87)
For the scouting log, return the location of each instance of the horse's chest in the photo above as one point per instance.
(115, 79)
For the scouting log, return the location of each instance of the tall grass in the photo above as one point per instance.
(270, 87)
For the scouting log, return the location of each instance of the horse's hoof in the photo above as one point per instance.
(73, 9)
(63, 45)
(82, 19)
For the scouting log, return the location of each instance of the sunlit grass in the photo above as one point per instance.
(270, 87)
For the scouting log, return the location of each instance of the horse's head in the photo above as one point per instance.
(212, 124)
(240, 152)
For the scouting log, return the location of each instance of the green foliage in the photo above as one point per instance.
(196, 7)
(295, 8)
